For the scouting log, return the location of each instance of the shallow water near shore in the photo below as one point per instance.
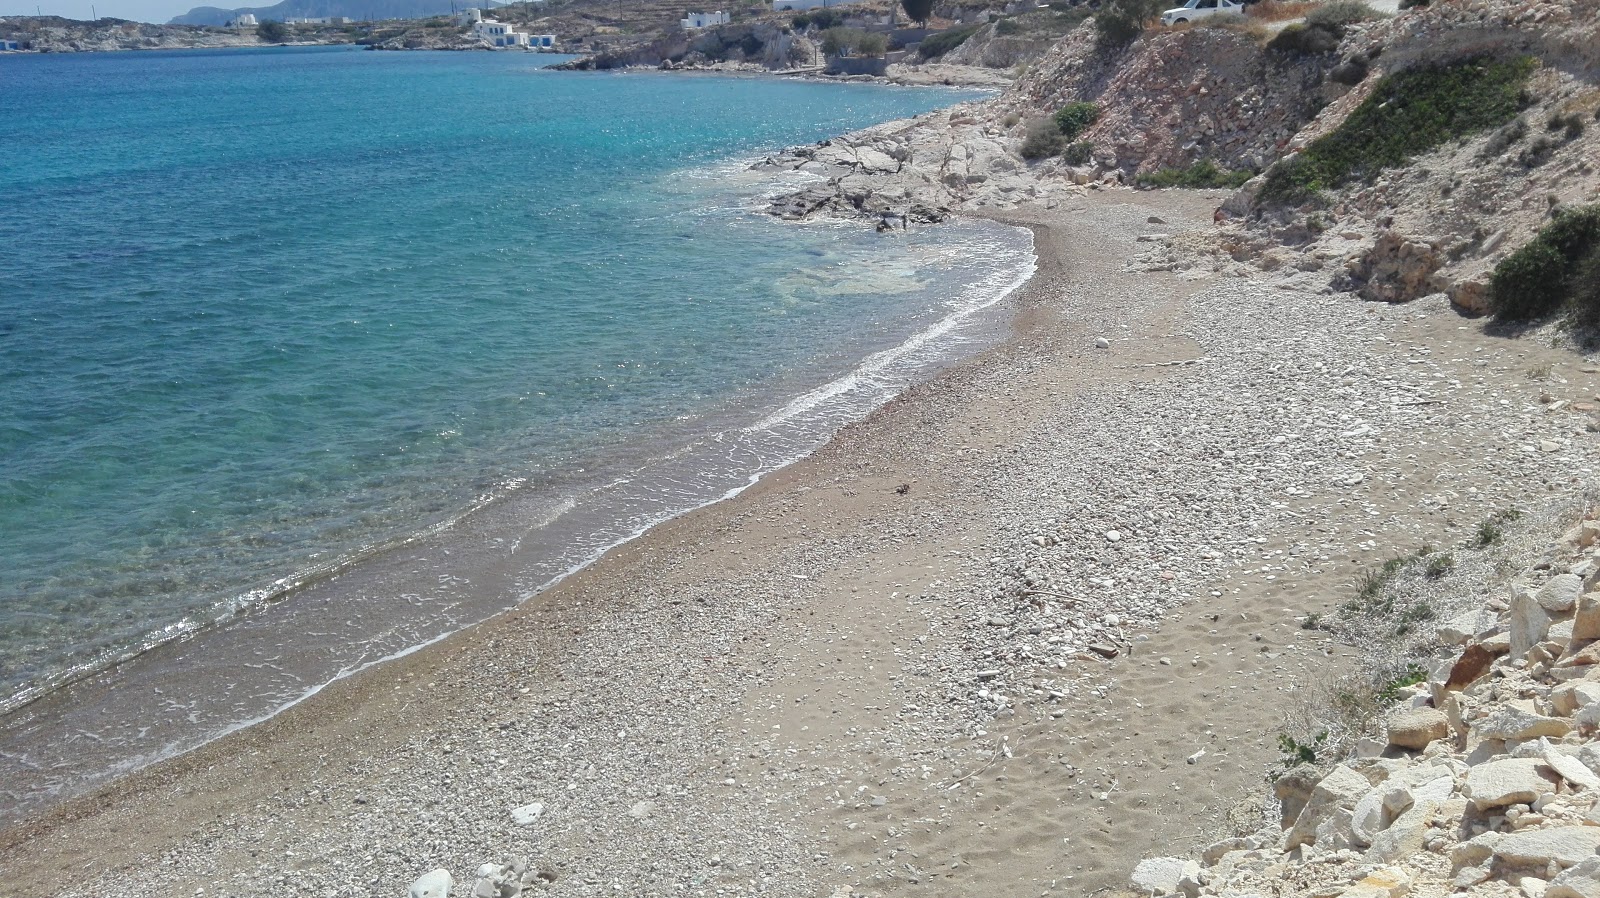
(311, 357)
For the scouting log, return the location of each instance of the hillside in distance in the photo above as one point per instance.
(359, 10)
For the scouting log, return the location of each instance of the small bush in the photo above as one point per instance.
(1407, 114)
(1278, 10)
(1570, 125)
(1503, 139)
(1073, 118)
(1042, 140)
(1340, 14)
(1413, 4)
(1540, 277)
(1300, 39)
(821, 19)
(1078, 153)
(1201, 175)
(939, 44)
(1008, 26)
(272, 32)
(1350, 72)
(1118, 22)
(839, 41)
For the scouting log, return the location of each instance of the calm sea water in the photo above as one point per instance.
(393, 339)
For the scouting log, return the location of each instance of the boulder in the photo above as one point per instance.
(1416, 728)
(1341, 788)
(1161, 875)
(1385, 882)
(1567, 698)
(1529, 623)
(1475, 851)
(1405, 836)
(1581, 880)
(1535, 848)
(1518, 721)
(1368, 818)
(1560, 593)
(1495, 784)
(1586, 623)
(1571, 769)
(1467, 627)
(436, 884)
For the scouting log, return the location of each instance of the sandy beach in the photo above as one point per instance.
(1035, 620)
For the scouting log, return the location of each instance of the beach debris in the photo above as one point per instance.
(528, 814)
(903, 488)
(435, 884)
(1105, 651)
(507, 880)
(1102, 343)
(1195, 758)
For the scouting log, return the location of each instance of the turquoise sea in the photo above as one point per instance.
(310, 356)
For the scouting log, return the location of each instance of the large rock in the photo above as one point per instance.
(1567, 698)
(1579, 881)
(1536, 848)
(1385, 882)
(1561, 593)
(436, 884)
(1341, 789)
(1571, 769)
(1369, 818)
(1416, 728)
(1467, 627)
(1586, 623)
(1529, 623)
(1161, 875)
(1518, 722)
(1475, 661)
(1495, 784)
(1405, 836)
(1293, 790)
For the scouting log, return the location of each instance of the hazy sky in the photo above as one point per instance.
(137, 10)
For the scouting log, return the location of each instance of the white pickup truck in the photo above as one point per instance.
(1200, 9)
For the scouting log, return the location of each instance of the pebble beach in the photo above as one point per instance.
(1036, 619)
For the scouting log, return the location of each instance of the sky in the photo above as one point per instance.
(137, 10)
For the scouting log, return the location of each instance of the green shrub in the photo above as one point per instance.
(1118, 22)
(839, 41)
(1078, 153)
(1202, 174)
(939, 44)
(917, 10)
(1550, 270)
(1042, 140)
(1300, 39)
(1585, 291)
(1408, 113)
(821, 19)
(1340, 14)
(1413, 4)
(1073, 118)
(272, 32)
(1008, 26)
(1502, 140)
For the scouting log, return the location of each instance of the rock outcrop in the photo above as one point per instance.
(1490, 785)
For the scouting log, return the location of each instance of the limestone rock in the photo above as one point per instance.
(1415, 729)
(528, 814)
(1561, 593)
(1579, 881)
(436, 884)
(1161, 875)
(1293, 790)
(1341, 788)
(1405, 836)
(1495, 784)
(1466, 627)
(1586, 623)
(1529, 623)
(1518, 721)
(1385, 882)
(1536, 848)
(1567, 698)
(1368, 818)
(1571, 769)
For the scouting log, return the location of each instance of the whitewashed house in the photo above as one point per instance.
(695, 20)
(248, 20)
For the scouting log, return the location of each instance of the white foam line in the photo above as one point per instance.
(874, 363)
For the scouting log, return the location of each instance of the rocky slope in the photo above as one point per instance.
(1485, 782)
(53, 34)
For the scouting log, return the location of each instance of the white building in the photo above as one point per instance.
(248, 20)
(704, 20)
